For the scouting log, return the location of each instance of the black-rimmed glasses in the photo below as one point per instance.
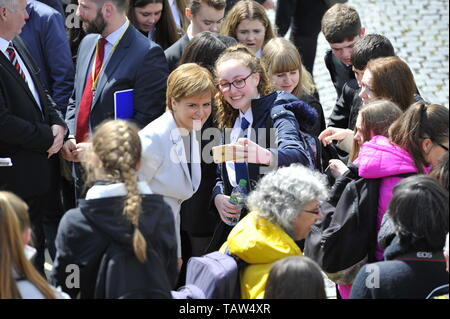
(238, 83)
(438, 144)
(443, 146)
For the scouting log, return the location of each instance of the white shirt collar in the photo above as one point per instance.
(3, 46)
(248, 115)
(189, 32)
(113, 190)
(113, 37)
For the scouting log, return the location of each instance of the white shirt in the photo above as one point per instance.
(3, 47)
(110, 42)
(175, 14)
(112, 39)
(234, 136)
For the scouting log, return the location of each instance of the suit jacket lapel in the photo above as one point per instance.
(85, 66)
(116, 58)
(34, 73)
(196, 161)
(178, 153)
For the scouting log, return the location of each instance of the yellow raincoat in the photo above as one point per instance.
(260, 243)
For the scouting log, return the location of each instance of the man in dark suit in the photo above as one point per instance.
(31, 130)
(44, 34)
(204, 15)
(114, 56)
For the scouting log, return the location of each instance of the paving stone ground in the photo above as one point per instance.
(419, 32)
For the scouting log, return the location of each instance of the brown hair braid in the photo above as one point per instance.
(117, 145)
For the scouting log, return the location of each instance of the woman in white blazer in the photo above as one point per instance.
(170, 145)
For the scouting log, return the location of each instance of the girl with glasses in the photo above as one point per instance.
(247, 111)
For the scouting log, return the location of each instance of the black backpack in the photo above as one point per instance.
(345, 240)
(122, 276)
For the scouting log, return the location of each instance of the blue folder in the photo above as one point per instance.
(123, 104)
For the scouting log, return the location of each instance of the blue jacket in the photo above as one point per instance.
(288, 115)
(46, 39)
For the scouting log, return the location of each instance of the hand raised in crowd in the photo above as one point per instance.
(331, 134)
(226, 209)
(250, 152)
(58, 139)
(337, 167)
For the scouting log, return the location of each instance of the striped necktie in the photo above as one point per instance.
(15, 62)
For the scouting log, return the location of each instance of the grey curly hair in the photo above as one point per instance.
(281, 195)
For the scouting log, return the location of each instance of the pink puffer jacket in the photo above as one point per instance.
(379, 158)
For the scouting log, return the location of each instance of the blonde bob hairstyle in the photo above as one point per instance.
(279, 55)
(13, 222)
(188, 80)
(247, 9)
(226, 114)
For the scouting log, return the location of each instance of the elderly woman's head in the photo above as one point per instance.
(290, 198)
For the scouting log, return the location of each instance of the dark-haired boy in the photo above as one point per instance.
(341, 27)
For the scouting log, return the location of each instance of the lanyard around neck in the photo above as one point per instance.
(95, 78)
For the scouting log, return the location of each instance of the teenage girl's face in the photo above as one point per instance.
(358, 131)
(251, 33)
(192, 112)
(286, 81)
(234, 71)
(148, 16)
(367, 93)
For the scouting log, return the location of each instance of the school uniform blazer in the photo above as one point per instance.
(136, 63)
(164, 165)
(25, 130)
(175, 51)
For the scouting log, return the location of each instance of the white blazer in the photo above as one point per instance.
(164, 166)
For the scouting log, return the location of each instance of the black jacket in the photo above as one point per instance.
(25, 130)
(339, 72)
(405, 274)
(175, 51)
(84, 233)
(195, 218)
(347, 106)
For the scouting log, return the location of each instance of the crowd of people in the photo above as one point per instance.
(109, 135)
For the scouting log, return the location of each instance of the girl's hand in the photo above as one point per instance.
(253, 153)
(226, 209)
(331, 134)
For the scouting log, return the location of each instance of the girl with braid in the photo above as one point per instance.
(117, 209)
